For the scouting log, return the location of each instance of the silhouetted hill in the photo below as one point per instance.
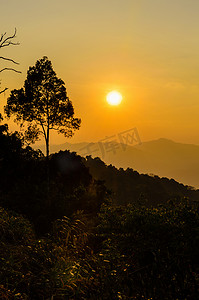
(44, 190)
(129, 186)
(64, 233)
(173, 160)
(161, 157)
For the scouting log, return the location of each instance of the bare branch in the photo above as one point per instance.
(2, 36)
(4, 42)
(7, 44)
(9, 59)
(3, 90)
(10, 69)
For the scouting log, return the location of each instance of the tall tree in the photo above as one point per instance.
(42, 104)
(6, 41)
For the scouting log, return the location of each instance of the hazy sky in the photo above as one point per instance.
(148, 50)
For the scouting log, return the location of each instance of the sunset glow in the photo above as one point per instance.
(114, 98)
(99, 149)
(146, 50)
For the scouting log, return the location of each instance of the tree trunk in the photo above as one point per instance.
(47, 147)
(48, 170)
(47, 158)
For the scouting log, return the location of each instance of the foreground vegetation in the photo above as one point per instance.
(131, 253)
(63, 236)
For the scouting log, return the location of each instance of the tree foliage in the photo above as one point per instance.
(42, 104)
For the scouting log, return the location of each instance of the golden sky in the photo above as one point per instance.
(148, 50)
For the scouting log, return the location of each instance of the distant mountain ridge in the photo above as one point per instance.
(161, 157)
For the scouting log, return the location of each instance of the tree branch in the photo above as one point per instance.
(41, 132)
(7, 41)
(9, 69)
(8, 44)
(53, 128)
(9, 59)
(3, 90)
(2, 36)
(43, 129)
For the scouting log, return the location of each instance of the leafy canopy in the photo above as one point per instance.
(42, 104)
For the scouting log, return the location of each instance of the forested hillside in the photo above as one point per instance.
(162, 157)
(128, 186)
(90, 231)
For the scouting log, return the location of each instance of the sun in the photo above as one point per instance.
(114, 98)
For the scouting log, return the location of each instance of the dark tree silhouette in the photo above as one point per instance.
(6, 41)
(42, 104)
